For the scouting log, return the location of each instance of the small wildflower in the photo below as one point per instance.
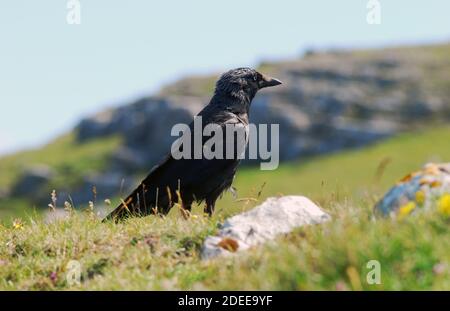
(67, 206)
(54, 198)
(108, 202)
(444, 205)
(90, 209)
(439, 268)
(406, 209)
(53, 277)
(341, 286)
(420, 197)
(18, 224)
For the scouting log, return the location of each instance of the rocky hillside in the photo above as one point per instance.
(329, 101)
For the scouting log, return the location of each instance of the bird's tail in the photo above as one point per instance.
(134, 205)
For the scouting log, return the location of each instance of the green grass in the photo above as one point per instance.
(163, 253)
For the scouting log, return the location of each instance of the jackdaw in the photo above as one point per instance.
(191, 179)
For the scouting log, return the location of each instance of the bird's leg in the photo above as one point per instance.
(209, 208)
(187, 206)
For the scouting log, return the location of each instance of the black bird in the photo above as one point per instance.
(196, 180)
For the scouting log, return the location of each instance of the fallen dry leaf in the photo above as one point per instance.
(229, 244)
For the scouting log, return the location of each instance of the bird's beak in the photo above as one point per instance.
(268, 81)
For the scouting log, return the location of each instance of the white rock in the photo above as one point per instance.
(275, 216)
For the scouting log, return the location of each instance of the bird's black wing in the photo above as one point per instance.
(198, 176)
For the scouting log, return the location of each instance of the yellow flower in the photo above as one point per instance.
(406, 209)
(17, 224)
(420, 197)
(444, 205)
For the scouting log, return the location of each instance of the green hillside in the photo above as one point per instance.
(67, 157)
(163, 253)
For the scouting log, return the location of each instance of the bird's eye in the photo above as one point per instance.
(255, 78)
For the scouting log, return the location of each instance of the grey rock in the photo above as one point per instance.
(145, 127)
(106, 185)
(33, 183)
(140, 121)
(127, 160)
(263, 223)
(422, 188)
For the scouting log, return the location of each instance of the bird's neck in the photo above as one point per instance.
(237, 102)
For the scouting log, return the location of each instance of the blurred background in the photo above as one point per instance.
(88, 105)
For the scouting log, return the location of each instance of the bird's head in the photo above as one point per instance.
(244, 81)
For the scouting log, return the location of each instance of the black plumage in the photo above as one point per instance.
(196, 180)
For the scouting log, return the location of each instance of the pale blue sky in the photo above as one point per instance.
(52, 73)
